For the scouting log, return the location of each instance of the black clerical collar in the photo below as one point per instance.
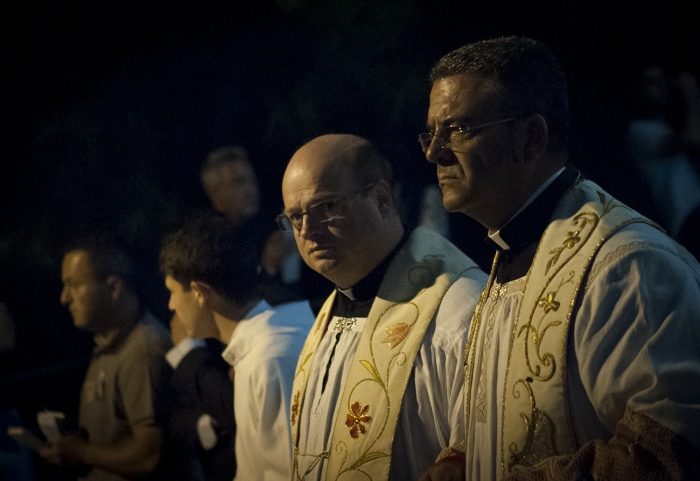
(527, 227)
(368, 286)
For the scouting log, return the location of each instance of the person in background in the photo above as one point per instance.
(232, 187)
(582, 359)
(124, 395)
(211, 264)
(664, 142)
(201, 418)
(378, 387)
(15, 459)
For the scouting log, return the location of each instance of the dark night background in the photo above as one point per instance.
(111, 107)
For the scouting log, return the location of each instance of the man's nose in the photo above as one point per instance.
(65, 296)
(437, 154)
(309, 227)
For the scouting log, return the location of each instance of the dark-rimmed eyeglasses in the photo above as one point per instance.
(322, 212)
(446, 137)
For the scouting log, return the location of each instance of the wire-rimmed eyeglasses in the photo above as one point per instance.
(322, 212)
(453, 134)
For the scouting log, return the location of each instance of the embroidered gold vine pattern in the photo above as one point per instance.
(372, 368)
(540, 442)
(541, 435)
(301, 370)
(317, 459)
(573, 237)
(537, 333)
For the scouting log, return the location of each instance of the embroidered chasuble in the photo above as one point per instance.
(372, 390)
(516, 396)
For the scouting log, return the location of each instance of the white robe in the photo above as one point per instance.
(263, 351)
(432, 414)
(633, 344)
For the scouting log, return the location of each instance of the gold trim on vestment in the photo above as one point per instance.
(536, 378)
(410, 294)
(535, 421)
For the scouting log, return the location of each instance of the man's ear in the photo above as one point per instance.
(385, 199)
(537, 138)
(202, 292)
(115, 284)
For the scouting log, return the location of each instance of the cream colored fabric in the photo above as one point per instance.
(393, 345)
(529, 396)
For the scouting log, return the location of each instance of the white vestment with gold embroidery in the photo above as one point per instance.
(637, 294)
(428, 416)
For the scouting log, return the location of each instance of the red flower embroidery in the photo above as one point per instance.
(356, 418)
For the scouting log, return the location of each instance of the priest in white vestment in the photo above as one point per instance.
(582, 358)
(378, 388)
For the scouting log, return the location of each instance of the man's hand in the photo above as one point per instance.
(449, 468)
(67, 451)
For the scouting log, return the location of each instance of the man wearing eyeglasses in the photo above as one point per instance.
(377, 390)
(582, 360)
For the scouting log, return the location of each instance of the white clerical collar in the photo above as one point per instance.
(176, 354)
(496, 236)
(348, 293)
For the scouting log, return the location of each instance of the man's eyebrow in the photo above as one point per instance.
(448, 122)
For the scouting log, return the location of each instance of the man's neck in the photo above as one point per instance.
(385, 248)
(520, 195)
(529, 200)
(120, 321)
(368, 286)
(228, 315)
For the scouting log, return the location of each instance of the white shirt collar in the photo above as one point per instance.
(241, 341)
(178, 353)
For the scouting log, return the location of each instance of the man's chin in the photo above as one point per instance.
(326, 267)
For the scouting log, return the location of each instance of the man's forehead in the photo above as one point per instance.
(463, 96)
(171, 283)
(302, 183)
(77, 263)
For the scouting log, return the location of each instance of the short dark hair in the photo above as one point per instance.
(109, 256)
(527, 71)
(211, 249)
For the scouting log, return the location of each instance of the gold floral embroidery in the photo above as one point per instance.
(295, 407)
(548, 303)
(356, 418)
(572, 238)
(396, 333)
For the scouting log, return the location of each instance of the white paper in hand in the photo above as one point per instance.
(50, 423)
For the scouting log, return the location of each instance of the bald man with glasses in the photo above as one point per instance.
(378, 384)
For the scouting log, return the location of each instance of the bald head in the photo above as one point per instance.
(339, 188)
(349, 157)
